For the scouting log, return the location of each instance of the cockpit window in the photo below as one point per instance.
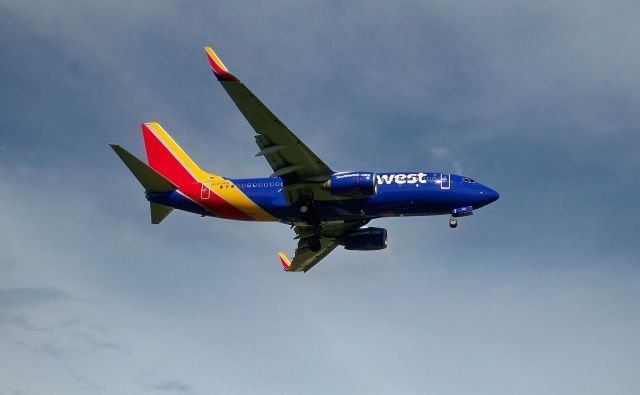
(469, 180)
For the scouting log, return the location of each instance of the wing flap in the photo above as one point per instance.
(330, 236)
(304, 258)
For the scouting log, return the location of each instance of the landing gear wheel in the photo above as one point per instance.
(314, 244)
(304, 208)
(453, 222)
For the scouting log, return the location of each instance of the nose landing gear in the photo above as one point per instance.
(459, 212)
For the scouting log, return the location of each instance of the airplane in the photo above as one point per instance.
(325, 208)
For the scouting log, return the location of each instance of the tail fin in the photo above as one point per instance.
(167, 158)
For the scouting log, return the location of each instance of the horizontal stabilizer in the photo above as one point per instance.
(159, 212)
(151, 180)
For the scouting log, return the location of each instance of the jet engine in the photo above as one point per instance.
(352, 184)
(366, 239)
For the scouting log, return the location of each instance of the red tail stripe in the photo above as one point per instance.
(163, 161)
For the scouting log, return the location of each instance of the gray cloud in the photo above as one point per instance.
(172, 386)
(536, 294)
(96, 341)
(16, 298)
(15, 304)
(44, 348)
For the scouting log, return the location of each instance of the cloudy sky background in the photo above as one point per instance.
(537, 293)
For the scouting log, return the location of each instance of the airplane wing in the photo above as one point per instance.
(304, 258)
(288, 156)
(330, 235)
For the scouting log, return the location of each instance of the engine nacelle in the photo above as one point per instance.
(366, 239)
(353, 184)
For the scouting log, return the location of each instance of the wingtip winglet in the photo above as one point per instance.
(285, 261)
(218, 68)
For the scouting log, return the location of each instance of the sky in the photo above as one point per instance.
(535, 294)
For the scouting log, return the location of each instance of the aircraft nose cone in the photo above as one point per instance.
(491, 195)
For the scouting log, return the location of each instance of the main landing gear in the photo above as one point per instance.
(314, 243)
(314, 240)
(453, 223)
(307, 209)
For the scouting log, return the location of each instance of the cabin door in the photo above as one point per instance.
(445, 181)
(205, 192)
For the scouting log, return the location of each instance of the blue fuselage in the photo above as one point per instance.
(397, 194)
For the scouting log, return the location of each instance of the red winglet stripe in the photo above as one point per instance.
(285, 262)
(218, 67)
